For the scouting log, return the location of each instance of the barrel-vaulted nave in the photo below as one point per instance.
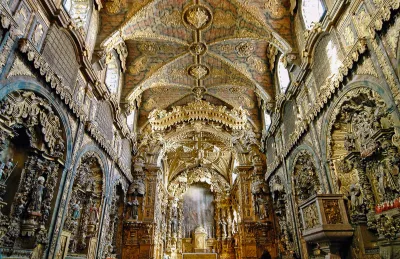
(208, 129)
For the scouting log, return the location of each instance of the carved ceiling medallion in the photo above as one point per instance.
(198, 48)
(198, 71)
(197, 17)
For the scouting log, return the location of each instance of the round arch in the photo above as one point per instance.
(19, 83)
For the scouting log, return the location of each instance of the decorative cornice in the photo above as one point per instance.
(199, 110)
(51, 77)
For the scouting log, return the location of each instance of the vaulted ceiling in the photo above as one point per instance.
(180, 50)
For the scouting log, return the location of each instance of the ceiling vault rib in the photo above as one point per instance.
(158, 38)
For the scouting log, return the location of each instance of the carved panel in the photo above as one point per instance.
(38, 32)
(58, 44)
(311, 216)
(305, 177)
(104, 119)
(332, 212)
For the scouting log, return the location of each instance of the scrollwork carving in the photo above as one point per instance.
(28, 109)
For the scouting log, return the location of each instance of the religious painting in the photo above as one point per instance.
(198, 210)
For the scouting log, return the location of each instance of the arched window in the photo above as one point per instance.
(130, 120)
(112, 73)
(283, 76)
(267, 120)
(313, 11)
(79, 11)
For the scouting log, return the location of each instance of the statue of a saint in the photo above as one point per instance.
(2, 168)
(93, 215)
(76, 210)
(135, 205)
(223, 227)
(262, 210)
(386, 181)
(173, 225)
(355, 196)
(37, 194)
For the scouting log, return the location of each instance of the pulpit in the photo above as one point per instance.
(325, 222)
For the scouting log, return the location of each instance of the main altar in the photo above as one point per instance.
(199, 256)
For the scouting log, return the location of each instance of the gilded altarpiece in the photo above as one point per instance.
(364, 150)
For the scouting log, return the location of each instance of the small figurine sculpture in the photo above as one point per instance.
(134, 212)
(94, 215)
(37, 194)
(6, 169)
(173, 225)
(261, 208)
(223, 226)
(2, 168)
(76, 210)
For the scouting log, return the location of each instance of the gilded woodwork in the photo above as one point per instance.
(197, 77)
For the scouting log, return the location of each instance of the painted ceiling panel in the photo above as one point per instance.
(208, 49)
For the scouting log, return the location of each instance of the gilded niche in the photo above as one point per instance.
(365, 158)
(305, 177)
